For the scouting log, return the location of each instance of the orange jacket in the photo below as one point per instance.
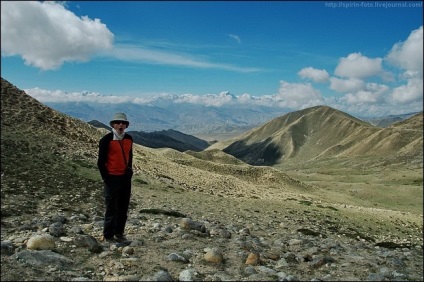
(111, 159)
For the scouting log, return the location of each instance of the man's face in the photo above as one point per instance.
(120, 126)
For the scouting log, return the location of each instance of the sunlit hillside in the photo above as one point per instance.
(336, 208)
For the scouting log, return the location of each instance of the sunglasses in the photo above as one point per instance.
(120, 122)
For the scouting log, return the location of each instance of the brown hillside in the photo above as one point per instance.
(401, 141)
(44, 152)
(336, 222)
(321, 132)
(415, 123)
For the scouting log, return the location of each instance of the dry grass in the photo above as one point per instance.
(48, 158)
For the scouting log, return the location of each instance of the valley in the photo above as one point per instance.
(340, 216)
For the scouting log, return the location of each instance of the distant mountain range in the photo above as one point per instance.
(164, 114)
(163, 139)
(49, 176)
(205, 122)
(314, 133)
(388, 120)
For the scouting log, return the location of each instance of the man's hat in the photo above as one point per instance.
(119, 117)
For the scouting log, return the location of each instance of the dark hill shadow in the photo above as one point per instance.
(262, 153)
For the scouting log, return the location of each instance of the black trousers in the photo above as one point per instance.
(117, 193)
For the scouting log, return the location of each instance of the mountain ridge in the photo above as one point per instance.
(162, 139)
(52, 191)
(301, 136)
(209, 122)
(188, 118)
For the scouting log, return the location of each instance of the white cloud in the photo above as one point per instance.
(372, 100)
(361, 98)
(408, 55)
(357, 66)
(46, 35)
(373, 93)
(297, 95)
(144, 55)
(235, 37)
(412, 92)
(315, 75)
(43, 95)
(346, 85)
(207, 100)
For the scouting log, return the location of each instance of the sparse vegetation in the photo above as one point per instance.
(46, 166)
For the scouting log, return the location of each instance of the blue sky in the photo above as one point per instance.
(353, 55)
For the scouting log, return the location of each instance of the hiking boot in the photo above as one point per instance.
(106, 239)
(120, 238)
(107, 242)
(110, 240)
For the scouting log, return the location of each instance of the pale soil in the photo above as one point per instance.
(269, 211)
(49, 167)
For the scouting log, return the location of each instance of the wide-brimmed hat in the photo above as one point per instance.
(119, 117)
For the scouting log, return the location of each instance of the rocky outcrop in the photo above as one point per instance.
(171, 248)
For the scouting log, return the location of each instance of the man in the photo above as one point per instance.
(115, 166)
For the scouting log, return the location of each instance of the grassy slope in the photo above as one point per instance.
(51, 160)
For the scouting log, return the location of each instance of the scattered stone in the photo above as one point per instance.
(177, 257)
(214, 256)
(188, 275)
(7, 248)
(65, 239)
(41, 242)
(42, 258)
(188, 224)
(193, 252)
(253, 259)
(89, 242)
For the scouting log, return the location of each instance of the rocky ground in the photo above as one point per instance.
(197, 216)
(178, 235)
